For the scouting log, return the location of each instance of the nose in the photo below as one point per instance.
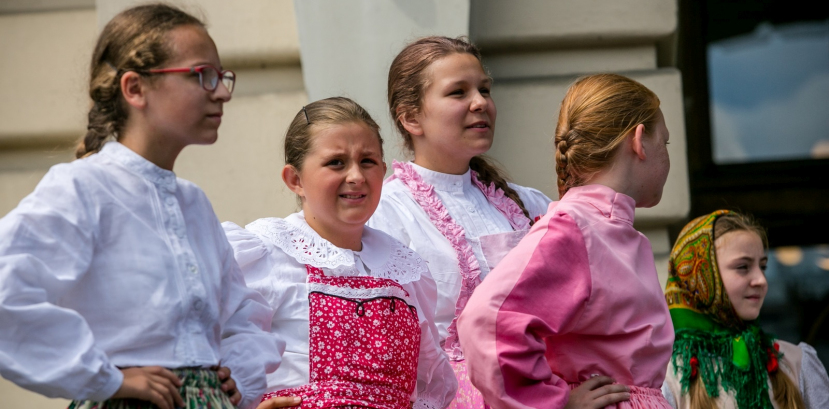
(478, 103)
(221, 93)
(758, 278)
(354, 175)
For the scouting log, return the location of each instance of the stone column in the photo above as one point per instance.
(348, 46)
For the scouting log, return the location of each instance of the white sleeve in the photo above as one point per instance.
(249, 348)
(46, 246)
(436, 383)
(814, 383)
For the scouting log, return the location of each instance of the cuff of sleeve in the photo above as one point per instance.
(108, 383)
(422, 403)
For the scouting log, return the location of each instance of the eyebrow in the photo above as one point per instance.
(486, 81)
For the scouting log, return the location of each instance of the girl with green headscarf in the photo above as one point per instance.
(721, 357)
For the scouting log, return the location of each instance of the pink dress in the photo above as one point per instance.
(578, 296)
(493, 247)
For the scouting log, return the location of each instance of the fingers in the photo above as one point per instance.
(222, 371)
(280, 402)
(170, 391)
(596, 382)
(166, 373)
(228, 385)
(611, 399)
(236, 397)
(167, 384)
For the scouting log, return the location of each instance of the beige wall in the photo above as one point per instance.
(536, 51)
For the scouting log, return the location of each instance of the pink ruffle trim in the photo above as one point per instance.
(424, 194)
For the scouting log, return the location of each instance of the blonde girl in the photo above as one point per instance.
(721, 357)
(355, 305)
(579, 297)
(450, 203)
(118, 288)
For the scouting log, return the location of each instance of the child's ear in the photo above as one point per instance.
(132, 88)
(291, 178)
(637, 141)
(410, 122)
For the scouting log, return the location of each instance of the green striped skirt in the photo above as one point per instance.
(200, 389)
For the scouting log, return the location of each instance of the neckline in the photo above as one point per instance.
(444, 181)
(608, 202)
(384, 256)
(163, 178)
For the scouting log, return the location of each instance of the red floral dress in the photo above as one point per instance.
(364, 344)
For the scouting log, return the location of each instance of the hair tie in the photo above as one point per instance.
(772, 365)
(694, 367)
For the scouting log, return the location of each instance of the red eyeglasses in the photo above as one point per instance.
(209, 76)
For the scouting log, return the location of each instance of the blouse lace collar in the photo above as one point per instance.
(444, 181)
(384, 256)
(119, 153)
(608, 202)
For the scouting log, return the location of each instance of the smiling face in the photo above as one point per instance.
(742, 260)
(179, 111)
(340, 180)
(456, 119)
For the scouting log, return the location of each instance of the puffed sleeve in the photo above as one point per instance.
(249, 348)
(814, 383)
(46, 247)
(436, 383)
(537, 291)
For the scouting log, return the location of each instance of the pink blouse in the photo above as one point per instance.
(578, 296)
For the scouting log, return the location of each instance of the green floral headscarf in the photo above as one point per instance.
(712, 342)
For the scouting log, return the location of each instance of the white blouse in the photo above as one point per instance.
(800, 362)
(400, 216)
(114, 262)
(274, 265)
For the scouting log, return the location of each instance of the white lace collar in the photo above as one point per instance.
(383, 255)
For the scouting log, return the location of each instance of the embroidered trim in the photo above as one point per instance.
(424, 194)
(504, 204)
(305, 246)
(359, 293)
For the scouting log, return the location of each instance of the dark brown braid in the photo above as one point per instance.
(489, 172)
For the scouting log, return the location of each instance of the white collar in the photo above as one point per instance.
(383, 255)
(444, 181)
(119, 153)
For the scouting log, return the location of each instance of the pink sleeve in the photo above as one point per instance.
(539, 290)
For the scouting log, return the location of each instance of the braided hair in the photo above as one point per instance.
(596, 115)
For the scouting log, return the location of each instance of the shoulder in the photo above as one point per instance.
(401, 264)
(248, 246)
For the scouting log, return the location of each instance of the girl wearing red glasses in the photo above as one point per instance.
(118, 287)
